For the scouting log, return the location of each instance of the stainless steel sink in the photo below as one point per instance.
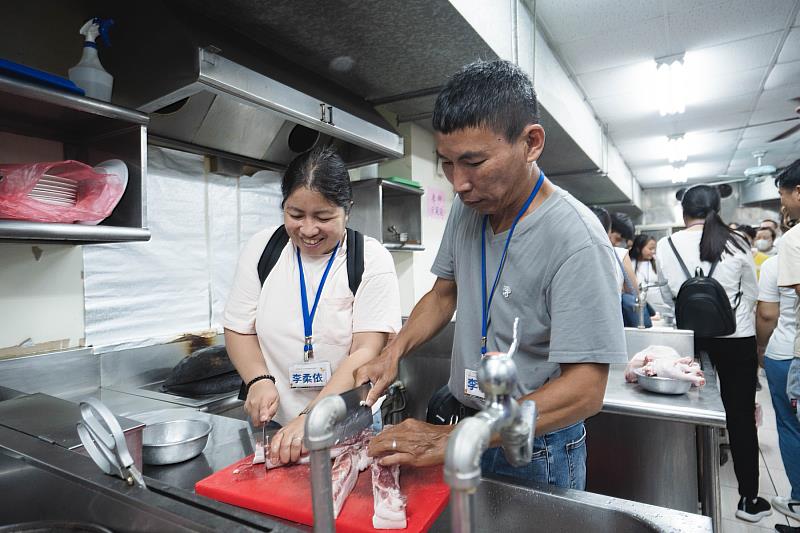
(502, 506)
(42, 482)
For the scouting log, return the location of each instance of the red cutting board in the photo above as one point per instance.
(286, 493)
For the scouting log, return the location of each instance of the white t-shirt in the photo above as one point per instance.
(781, 343)
(732, 270)
(620, 273)
(274, 312)
(647, 274)
(789, 270)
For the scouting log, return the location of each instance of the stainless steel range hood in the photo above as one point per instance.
(229, 108)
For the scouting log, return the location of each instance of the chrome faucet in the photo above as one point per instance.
(501, 414)
(641, 299)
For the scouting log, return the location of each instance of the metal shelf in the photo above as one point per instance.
(91, 131)
(397, 247)
(45, 232)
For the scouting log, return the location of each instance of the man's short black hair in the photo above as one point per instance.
(789, 178)
(622, 224)
(602, 214)
(493, 94)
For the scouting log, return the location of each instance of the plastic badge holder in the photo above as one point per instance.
(71, 192)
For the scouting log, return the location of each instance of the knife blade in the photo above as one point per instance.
(358, 416)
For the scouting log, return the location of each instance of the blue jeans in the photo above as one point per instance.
(559, 458)
(787, 422)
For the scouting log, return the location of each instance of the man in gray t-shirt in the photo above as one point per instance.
(558, 277)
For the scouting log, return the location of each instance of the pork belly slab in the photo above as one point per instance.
(390, 505)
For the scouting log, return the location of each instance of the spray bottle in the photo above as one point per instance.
(89, 74)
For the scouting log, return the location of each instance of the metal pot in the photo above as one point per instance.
(174, 441)
(661, 385)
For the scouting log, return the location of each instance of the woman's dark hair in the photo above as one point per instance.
(602, 214)
(493, 94)
(639, 242)
(703, 201)
(770, 230)
(321, 170)
(748, 230)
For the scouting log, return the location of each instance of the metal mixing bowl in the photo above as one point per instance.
(164, 443)
(661, 385)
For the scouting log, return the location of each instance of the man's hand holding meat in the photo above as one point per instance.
(412, 443)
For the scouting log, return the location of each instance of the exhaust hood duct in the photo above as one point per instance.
(223, 107)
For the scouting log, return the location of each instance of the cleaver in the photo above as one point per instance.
(358, 416)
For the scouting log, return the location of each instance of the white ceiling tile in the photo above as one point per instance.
(766, 132)
(570, 20)
(784, 74)
(704, 88)
(768, 113)
(791, 48)
(781, 95)
(715, 24)
(638, 77)
(742, 54)
(641, 42)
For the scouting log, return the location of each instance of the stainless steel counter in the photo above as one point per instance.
(702, 407)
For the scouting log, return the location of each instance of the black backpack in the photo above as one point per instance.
(274, 248)
(702, 304)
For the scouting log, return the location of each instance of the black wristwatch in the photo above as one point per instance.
(256, 380)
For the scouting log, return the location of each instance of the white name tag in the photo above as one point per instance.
(311, 375)
(471, 387)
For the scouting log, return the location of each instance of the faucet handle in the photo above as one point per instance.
(518, 438)
(497, 375)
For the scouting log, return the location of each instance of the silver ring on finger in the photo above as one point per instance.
(394, 444)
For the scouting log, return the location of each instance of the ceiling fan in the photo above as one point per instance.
(751, 175)
(788, 133)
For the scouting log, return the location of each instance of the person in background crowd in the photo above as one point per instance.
(788, 183)
(269, 329)
(705, 241)
(622, 230)
(776, 328)
(626, 276)
(749, 232)
(765, 238)
(643, 255)
(769, 223)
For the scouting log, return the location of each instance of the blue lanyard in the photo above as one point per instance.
(308, 318)
(485, 305)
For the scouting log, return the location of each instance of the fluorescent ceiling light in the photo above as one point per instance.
(677, 151)
(671, 85)
(679, 174)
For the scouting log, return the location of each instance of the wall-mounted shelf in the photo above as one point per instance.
(91, 132)
(380, 204)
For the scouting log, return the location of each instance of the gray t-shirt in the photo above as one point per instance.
(559, 279)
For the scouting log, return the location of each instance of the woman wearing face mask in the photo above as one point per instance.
(275, 334)
(707, 241)
(643, 256)
(764, 243)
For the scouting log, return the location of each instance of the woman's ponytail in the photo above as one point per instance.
(702, 201)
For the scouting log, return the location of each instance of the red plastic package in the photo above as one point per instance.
(61, 191)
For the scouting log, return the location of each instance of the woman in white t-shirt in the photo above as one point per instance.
(643, 256)
(293, 346)
(705, 241)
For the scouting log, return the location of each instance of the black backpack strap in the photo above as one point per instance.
(355, 259)
(679, 258)
(272, 252)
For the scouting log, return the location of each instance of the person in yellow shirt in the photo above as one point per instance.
(765, 246)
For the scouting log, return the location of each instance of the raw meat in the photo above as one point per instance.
(360, 440)
(344, 474)
(664, 362)
(389, 503)
(684, 368)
